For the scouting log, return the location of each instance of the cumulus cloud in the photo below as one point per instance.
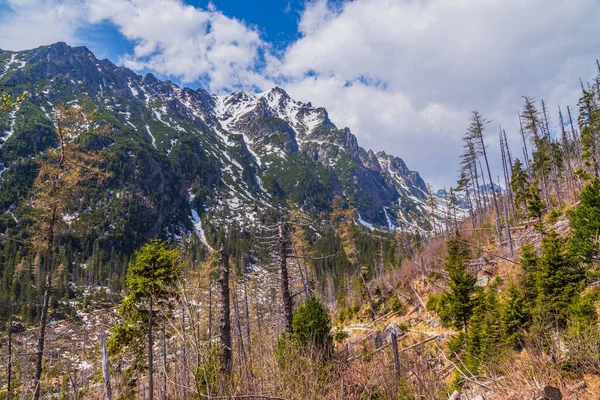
(403, 75)
(429, 63)
(25, 24)
(176, 39)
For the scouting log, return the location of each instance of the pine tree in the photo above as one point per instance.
(535, 207)
(311, 325)
(541, 152)
(519, 184)
(558, 281)
(151, 283)
(584, 221)
(515, 316)
(529, 263)
(461, 296)
(589, 125)
(484, 339)
(64, 174)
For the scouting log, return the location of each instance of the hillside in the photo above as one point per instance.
(160, 241)
(252, 152)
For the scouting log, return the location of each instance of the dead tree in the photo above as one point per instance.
(64, 173)
(567, 152)
(225, 325)
(363, 276)
(105, 370)
(9, 365)
(525, 151)
(478, 123)
(555, 172)
(285, 285)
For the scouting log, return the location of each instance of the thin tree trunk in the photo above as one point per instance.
(238, 329)
(507, 226)
(525, 151)
(225, 326)
(46, 301)
(487, 164)
(510, 162)
(164, 360)
(568, 154)
(209, 312)
(105, 369)
(247, 317)
(394, 338)
(505, 168)
(150, 354)
(576, 145)
(9, 366)
(285, 288)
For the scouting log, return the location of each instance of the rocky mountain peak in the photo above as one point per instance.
(245, 152)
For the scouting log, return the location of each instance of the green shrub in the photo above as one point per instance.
(311, 325)
(395, 305)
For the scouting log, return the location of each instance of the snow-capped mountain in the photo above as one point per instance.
(186, 157)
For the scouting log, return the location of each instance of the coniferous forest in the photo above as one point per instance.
(127, 272)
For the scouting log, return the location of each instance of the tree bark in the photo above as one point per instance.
(150, 354)
(9, 366)
(225, 325)
(285, 286)
(105, 370)
(394, 338)
(46, 301)
(164, 360)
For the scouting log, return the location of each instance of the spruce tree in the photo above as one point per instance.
(461, 296)
(515, 316)
(558, 281)
(519, 184)
(535, 207)
(151, 283)
(584, 221)
(589, 125)
(311, 325)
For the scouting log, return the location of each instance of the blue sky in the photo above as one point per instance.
(403, 75)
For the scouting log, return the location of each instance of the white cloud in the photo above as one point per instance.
(25, 24)
(176, 39)
(402, 74)
(433, 62)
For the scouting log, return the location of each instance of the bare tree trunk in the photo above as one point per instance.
(105, 369)
(394, 338)
(470, 205)
(507, 225)
(164, 360)
(209, 311)
(285, 288)
(238, 328)
(9, 366)
(46, 301)
(576, 145)
(480, 199)
(247, 316)
(150, 354)
(568, 154)
(525, 151)
(510, 162)
(373, 314)
(225, 326)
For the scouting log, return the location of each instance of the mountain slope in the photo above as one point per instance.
(182, 153)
